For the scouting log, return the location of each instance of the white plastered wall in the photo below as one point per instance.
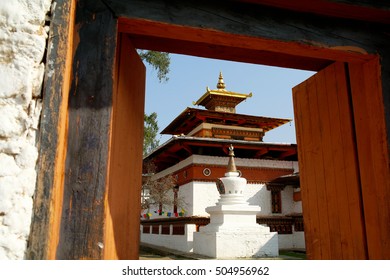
(200, 195)
(23, 37)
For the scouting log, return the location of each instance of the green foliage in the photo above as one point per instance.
(155, 192)
(150, 133)
(160, 62)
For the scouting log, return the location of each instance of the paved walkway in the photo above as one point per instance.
(149, 252)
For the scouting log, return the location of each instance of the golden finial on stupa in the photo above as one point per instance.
(231, 164)
(221, 83)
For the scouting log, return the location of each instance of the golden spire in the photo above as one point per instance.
(220, 99)
(221, 83)
(231, 164)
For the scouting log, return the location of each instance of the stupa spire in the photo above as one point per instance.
(231, 164)
(221, 83)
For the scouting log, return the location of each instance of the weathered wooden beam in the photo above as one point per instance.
(231, 53)
(52, 144)
(89, 120)
(372, 11)
(215, 19)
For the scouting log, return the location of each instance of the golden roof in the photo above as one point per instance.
(221, 92)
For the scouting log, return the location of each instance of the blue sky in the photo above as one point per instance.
(189, 76)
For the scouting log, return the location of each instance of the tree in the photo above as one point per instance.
(157, 193)
(160, 62)
(150, 133)
(160, 192)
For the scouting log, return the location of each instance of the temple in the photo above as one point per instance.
(220, 119)
(196, 157)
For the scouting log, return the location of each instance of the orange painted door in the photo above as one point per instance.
(123, 202)
(329, 169)
(372, 143)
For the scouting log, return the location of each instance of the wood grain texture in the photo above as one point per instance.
(371, 11)
(373, 153)
(123, 203)
(330, 182)
(52, 138)
(90, 109)
(309, 195)
(337, 39)
(329, 133)
(221, 50)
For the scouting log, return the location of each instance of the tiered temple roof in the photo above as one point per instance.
(220, 119)
(212, 131)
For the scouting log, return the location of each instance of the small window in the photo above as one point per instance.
(276, 200)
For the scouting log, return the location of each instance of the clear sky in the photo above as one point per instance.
(189, 76)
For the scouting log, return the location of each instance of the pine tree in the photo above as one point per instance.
(150, 133)
(160, 61)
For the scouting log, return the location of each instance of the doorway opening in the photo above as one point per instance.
(271, 98)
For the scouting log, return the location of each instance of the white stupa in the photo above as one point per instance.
(233, 231)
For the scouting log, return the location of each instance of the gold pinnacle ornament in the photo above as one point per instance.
(221, 83)
(231, 165)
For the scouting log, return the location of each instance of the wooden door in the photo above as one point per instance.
(329, 170)
(123, 201)
(373, 152)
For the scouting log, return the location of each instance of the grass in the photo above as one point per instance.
(293, 254)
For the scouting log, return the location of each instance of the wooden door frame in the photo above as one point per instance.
(211, 38)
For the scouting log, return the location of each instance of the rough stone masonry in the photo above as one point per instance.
(23, 39)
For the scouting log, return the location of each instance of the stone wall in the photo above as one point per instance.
(24, 32)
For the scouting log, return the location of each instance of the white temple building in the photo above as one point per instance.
(197, 155)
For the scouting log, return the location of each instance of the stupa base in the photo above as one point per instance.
(237, 244)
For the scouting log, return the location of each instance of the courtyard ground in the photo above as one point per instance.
(148, 252)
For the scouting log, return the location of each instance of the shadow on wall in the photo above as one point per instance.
(261, 198)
